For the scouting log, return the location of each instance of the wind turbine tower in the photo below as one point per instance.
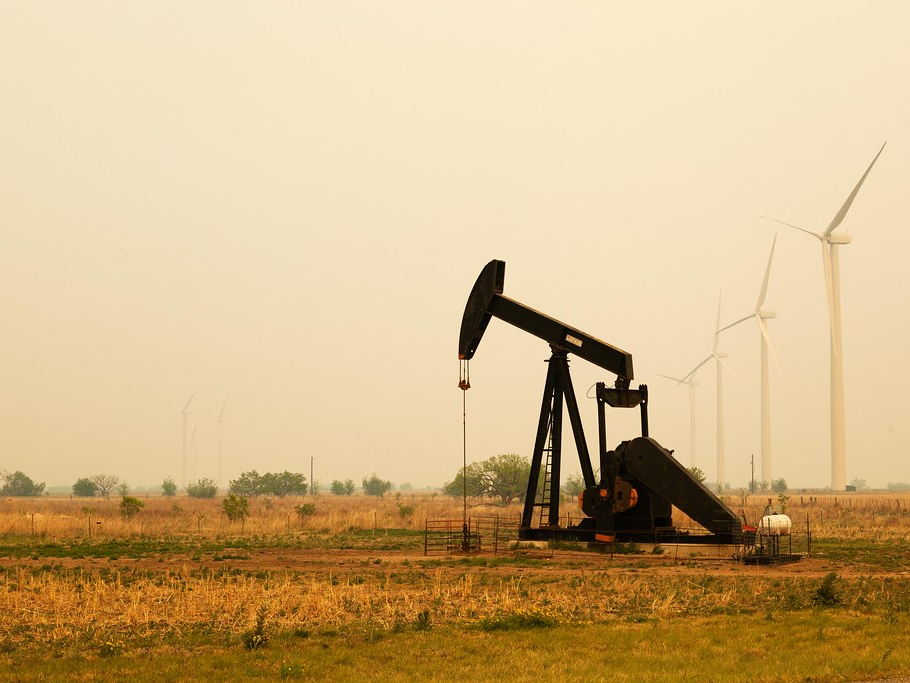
(220, 449)
(760, 315)
(183, 414)
(830, 241)
(719, 366)
(690, 384)
(193, 456)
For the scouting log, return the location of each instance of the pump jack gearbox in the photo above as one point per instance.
(639, 482)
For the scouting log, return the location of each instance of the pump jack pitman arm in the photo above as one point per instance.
(486, 301)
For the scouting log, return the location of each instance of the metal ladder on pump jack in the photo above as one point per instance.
(544, 502)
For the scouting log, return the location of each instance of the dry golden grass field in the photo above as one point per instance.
(179, 592)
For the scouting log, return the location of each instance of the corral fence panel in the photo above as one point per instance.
(474, 535)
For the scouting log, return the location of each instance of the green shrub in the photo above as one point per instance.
(204, 488)
(255, 638)
(423, 622)
(517, 620)
(374, 486)
(84, 488)
(305, 510)
(237, 508)
(130, 507)
(826, 594)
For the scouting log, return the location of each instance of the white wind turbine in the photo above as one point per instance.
(830, 260)
(760, 316)
(193, 453)
(691, 384)
(718, 357)
(183, 414)
(220, 450)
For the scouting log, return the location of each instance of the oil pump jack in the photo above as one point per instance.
(639, 481)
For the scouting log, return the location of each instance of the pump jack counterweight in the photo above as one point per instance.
(639, 482)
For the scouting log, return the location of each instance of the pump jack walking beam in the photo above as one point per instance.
(487, 301)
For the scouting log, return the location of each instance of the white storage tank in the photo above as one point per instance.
(774, 524)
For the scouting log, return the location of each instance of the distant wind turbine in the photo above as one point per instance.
(718, 357)
(183, 414)
(690, 384)
(830, 241)
(760, 315)
(220, 451)
(193, 453)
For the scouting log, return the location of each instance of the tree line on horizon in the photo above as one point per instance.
(502, 476)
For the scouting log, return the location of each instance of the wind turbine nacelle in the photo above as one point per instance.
(835, 238)
(767, 314)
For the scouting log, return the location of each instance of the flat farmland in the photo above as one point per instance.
(343, 591)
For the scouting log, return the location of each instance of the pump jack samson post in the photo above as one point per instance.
(639, 481)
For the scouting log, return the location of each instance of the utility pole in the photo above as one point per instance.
(312, 490)
(752, 484)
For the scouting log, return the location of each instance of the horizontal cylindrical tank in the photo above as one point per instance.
(774, 525)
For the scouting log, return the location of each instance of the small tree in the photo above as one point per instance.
(169, 488)
(106, 483)
(204, 488)
(84, 488)
(247, 485)
(573, 485)
(779, 485)
(782, 499)
(506, 476)
(237, 508)
(342, 488)
(698, 474)
(130, 506)
(374, 486)
(123, 488)
(283, 484)
(502, 476)
(475, 485)
(19, 484)
(405, 511)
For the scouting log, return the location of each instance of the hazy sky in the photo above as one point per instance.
(287, 203)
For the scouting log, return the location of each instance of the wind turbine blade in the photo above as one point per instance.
(764, 284)
(672, 379)
(790, 225)
(764, 332)
(829, 289)
(695, 369)
(725, 366)
(717, 326)
(223, 406)
(741, 320)
(192, 396)
(846, 207)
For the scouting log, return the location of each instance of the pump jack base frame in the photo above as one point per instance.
(662, 537)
